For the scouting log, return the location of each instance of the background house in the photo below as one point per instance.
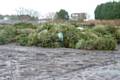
(78, 16)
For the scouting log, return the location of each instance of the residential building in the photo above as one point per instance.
(78, 16)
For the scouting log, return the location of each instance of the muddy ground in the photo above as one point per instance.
(32, 63)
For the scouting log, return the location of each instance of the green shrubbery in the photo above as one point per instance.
(117, 35)
(101, 30)
(108, 30)
(48, 39)
(7, 34)
(32, 39)
(22, 39)
(46, 35)
(24, 25)
(101, 43)
(105, 43)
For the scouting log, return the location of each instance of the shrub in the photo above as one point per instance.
(2, 27)
(25, 31)
(101, 30)
(111, 29)
(51, 30)
(47, 35)
(3, 38)
(88, 34)
(114, 31)
(117, 35)
(76, 24)
(107, 30)
(86, 44)
(22, 39)
(71, 36)
(47, 39)
(101, 43)
(33, 39)
(24, 25)
(46, 26)
(57, 28)
(81, 44)
(105, 43)
(7, 34)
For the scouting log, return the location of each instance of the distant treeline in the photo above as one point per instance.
(109, 10)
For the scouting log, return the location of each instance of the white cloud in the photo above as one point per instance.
(45, 6)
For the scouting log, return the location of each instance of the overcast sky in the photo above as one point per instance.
(46, 6)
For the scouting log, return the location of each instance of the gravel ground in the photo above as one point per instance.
(33, 63)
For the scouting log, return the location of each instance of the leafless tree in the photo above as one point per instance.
(50, 15)
(27, 14)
